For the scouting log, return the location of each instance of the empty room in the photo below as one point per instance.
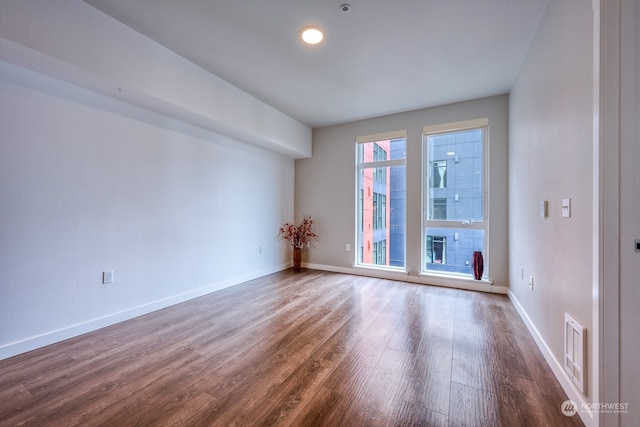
(319, 213)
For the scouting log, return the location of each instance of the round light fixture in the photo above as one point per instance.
(312, 35)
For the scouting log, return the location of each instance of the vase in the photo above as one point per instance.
(477, 264)
(297, 258)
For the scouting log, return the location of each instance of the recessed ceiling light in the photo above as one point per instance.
(312, 35)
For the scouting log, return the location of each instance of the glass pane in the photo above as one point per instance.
(381, 205)
(451, 249)
(454, 175)
(397, 216)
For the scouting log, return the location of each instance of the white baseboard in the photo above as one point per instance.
(368, 272)
(61, 334)
(572, 392)
(331, 268)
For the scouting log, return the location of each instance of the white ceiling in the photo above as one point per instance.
(383, 57)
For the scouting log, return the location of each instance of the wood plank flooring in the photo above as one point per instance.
(296, 349)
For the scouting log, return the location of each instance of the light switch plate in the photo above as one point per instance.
(566, 208)
(107, 277)
(543, 209)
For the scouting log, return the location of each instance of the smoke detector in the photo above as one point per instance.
(345, 8)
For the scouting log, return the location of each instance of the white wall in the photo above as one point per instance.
(115, 153)
(89, 184)
(550, 158)
(325, 183)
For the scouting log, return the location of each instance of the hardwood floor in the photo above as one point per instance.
(301, 349)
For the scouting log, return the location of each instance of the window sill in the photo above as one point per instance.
(385, 273)
(448, 281)
(456, 277)
(453, 281)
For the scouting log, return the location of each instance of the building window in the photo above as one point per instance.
(436, 249)
(454, 194)
(439, 208)
(439, 174)
(381, 197)
(380, 252)
(375, 211)
(379, 155)
(379, 211)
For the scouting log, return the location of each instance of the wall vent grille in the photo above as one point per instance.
(574, 351)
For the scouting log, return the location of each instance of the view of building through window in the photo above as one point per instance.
(454, 225)
(453, 200)
(381, 204)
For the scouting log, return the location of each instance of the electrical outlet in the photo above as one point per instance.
(531, 282)
(107, 277)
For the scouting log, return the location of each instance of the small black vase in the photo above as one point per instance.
(477, 264)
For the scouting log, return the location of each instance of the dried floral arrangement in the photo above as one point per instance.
(299, 236)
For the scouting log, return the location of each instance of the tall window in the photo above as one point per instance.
(381, 199)
(454, 212)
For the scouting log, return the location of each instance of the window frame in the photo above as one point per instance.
(426, 184)
(386, 165)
